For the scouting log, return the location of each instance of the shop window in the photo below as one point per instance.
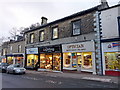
(32, 38)
(41, 35)
(76, 27)
(57, 61)
(46, 61)
(32, 60)
(67, 60)
(10, 60)
(87, 60)
(112, 61)
(19, 60)
(55, 33)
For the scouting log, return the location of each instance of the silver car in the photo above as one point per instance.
(15, 69)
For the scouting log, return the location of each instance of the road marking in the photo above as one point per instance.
(97, 79)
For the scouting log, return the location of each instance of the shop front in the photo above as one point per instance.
(31, 58)
(79, 56)
(15, 59)
(50, 58)
(111, 58)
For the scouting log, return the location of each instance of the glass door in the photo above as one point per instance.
(57, 61)
(79, 61)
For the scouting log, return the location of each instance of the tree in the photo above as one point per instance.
(16, 32)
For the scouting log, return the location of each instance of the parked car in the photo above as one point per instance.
(16, 69)
(3, 67)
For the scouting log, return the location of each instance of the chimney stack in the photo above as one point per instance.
(44, 20)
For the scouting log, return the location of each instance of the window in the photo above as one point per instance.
(119, 25)
(11, 48)
(42, 35)
(31, 38)
(19, 48)
(55, 33)
(76, 27)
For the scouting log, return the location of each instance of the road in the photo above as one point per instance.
(30, 80)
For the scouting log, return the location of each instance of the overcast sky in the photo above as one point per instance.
(23, 13)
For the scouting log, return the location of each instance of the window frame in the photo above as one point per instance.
(79, 28)
(33, 37)
(119, 25)
(57, 32)
(19, 48)
(40, 35)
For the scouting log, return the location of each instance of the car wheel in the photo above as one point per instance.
(13, 71)
(7, 72)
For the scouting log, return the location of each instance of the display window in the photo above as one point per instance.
(78, 59)
(10, 60)
(57, 61)
(46, 61)
(50, 61)
(112, 60)
(87, 60)
(32, 60)
(19, 60)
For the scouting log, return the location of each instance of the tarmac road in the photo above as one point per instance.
(30, 80)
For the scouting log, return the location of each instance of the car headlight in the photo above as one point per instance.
(17, 70)
(3, 67)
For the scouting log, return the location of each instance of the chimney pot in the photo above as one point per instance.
(44, 20)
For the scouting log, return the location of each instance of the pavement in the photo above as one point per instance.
(84, 76)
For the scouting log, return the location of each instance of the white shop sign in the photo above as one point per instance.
(32, 51)
(79, 47)
(111, 47)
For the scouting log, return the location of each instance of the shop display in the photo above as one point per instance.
(87, 60)
(50, 61)
(112, 61)
(32, 60)
(10, 60)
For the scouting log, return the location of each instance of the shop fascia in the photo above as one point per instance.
(79, 56)
(110, 57)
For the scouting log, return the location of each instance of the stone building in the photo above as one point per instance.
(110, 40)
(67, 44)
(13, 51)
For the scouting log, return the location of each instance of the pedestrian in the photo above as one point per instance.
(36, 66)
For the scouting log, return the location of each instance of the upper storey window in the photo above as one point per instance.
(76, 27)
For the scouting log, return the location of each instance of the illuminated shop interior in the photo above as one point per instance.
(50, 61)
(32, 60)
(10, 59)
(74, 60)
(112, 60)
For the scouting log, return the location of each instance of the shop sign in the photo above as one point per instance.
(78, 47)
(50, 49)
(112, 46)
(32, 51)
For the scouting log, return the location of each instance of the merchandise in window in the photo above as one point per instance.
(87, 61)
(32, 60)
(56, 61)
(112, 61)
(76, 28)
(67, 60)
(46, 61)
(10, 60)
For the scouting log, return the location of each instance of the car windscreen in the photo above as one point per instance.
(3, 64)
(17, 66)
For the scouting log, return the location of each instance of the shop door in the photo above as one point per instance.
(48, 61)
(79, 61)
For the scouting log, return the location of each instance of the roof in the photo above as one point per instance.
(65, 18)
(110, 7)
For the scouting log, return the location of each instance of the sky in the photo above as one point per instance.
(23, 13)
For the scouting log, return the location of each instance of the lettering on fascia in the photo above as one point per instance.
(48, 49)
(75, 46)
